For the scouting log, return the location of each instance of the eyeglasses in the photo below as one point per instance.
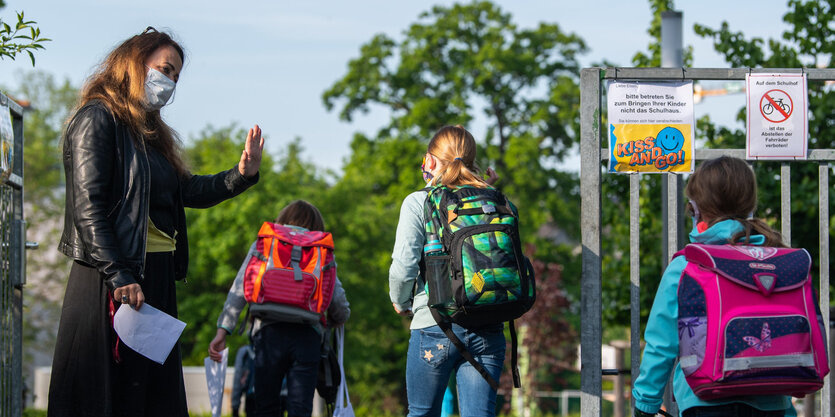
(149, 29)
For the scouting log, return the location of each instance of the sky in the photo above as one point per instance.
(268, 62)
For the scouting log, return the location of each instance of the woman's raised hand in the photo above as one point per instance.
(490, 176)
(251, 156)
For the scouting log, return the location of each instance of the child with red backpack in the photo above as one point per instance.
(286, 334)
(723, 197)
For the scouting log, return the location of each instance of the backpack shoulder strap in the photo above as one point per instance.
(437, 214)
(447, 328)
(514, 362)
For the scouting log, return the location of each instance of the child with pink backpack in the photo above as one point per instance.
(735, 307)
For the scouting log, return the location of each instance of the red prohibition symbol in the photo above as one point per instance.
(776, 106)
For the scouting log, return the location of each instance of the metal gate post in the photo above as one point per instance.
(823, 219)
(12, 272)
(590, 182)
(672, 56)
(590, 311)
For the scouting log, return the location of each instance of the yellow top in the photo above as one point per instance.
(159, 241)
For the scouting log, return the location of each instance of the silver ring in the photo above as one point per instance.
(124, 299)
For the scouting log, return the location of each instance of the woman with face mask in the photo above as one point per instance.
(125, 230)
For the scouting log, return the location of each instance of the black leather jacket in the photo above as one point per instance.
(107, 193)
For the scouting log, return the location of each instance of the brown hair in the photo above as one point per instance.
(726, 188)
(119, 83)
(303, 214)
(454, 148)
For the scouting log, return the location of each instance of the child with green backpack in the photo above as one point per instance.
(458, 271)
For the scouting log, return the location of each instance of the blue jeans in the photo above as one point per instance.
(285, 350)
(432, 358)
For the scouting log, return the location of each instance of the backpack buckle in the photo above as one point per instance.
(488, 209)
(295, 258)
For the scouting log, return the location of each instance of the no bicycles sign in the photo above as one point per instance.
(777, 116)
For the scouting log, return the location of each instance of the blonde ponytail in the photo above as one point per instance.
(454, 148)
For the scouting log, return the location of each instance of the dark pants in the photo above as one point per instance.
(285, 350)
(730, 410)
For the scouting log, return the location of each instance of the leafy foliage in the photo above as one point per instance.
(467, 64)
(807, 42)
(548, 337)
(50, 102)
(462, 64)
(459, 57)
(615, 189)
(20, 37)
(219, 237)
(652, 58)
(362, 210)
(46, 269)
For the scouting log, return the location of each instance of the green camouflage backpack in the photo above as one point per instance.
(474, 270)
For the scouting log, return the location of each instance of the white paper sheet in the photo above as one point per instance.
(148, 331)
(215, 379)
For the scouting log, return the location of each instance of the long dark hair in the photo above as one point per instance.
(119, 83)
(303, 214)
(726, 188)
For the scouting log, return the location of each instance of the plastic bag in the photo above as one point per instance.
(343, 407)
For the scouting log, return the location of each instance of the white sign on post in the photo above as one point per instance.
(777, 116)
(651, 126)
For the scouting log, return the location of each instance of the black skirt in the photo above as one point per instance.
(87, 380)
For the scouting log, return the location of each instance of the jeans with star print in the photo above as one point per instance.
(432, 358)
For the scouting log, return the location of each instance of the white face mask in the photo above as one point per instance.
(158, 89)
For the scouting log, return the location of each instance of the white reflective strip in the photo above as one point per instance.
(270, 260)
(318, 268)
(688, 361)
(781, 361)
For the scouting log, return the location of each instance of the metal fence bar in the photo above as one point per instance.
(18, 266)
(671, 195)
(634, 276)
(786, 203)
(591, 378)
(816, 155)
(723, 74)
(675, 209)
(823, 219)
(12, 241)
(590, 173)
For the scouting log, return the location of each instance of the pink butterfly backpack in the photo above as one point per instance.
(749, 322)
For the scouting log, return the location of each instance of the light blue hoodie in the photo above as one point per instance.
(661, 338)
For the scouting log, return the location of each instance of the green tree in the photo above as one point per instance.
(49, 102)
(219, 237)
(652, 58)
(362, 212)
(463, 64)
(22, 36)
(615, 189)
(807, 42)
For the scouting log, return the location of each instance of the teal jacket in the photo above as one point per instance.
(661, 338)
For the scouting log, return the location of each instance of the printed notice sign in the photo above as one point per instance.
(651, 127)
(6, 143)
(777, 116)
